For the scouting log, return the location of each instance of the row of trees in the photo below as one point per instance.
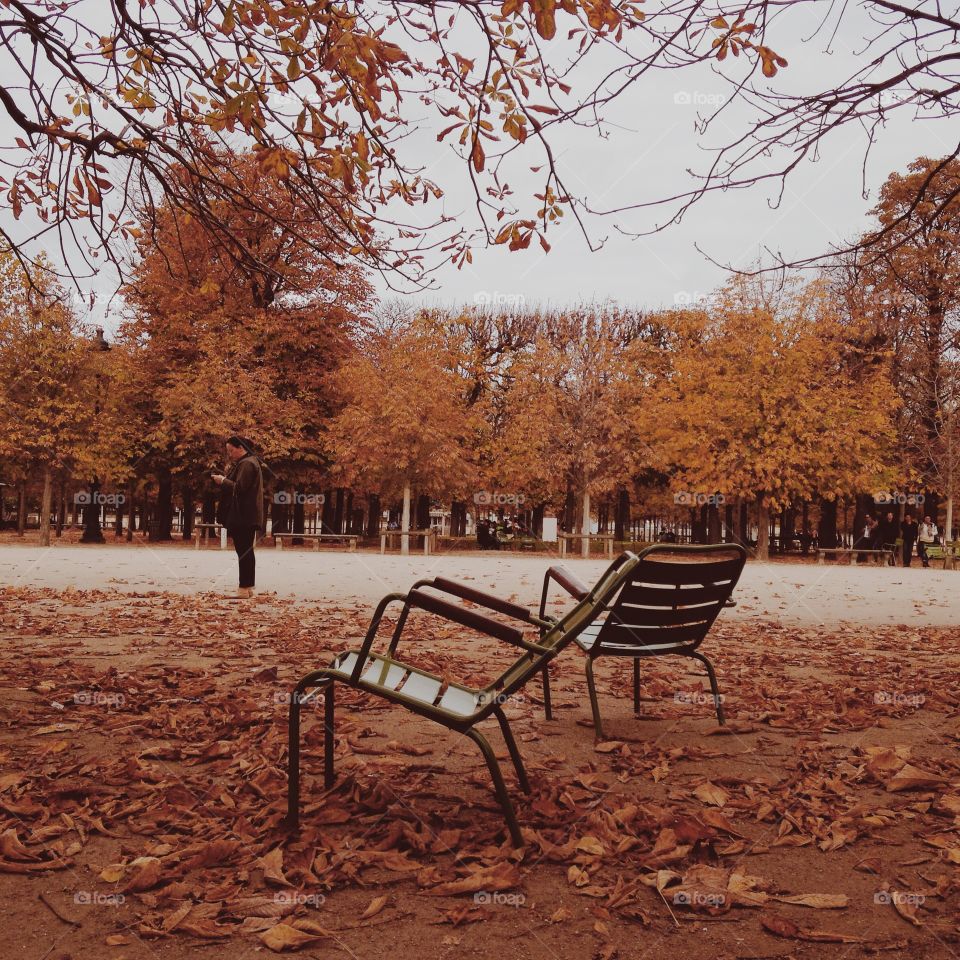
(777, 391)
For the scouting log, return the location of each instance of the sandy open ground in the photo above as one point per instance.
(143, 763)
(797, 593)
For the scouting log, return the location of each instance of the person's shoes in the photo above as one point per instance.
(243, 593)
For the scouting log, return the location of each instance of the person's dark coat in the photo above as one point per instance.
(241, 497)
(888, 531)
(909, 530)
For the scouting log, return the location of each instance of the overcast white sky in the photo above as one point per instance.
(646, 155)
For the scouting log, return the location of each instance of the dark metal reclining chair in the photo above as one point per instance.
(599, 610)
(666, 606)
(452, 705)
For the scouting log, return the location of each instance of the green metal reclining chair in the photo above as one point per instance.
(454, 706)
(672, 597)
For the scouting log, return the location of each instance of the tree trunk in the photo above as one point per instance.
(22, 508)
(827, 530)
(405, 520)
(338, 511)
(164, 518)
(585, 529)
(538, 512)
(45, 507)
(326, 515)
(569, 509)
(299, 517)
(713, 524)
(118, 517)
(132, 511)
(188, 509)
(61, 507)
(622, 520)
(279, 513)
(730, 535)
(763, 527)
(373, 517)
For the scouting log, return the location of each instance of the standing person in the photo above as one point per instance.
(927, 537)
(241, 508)
(867, 539)
(908, 531)
(887, 535)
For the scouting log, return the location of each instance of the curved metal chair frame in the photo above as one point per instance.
(460, 708)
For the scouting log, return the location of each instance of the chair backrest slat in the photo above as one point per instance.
(624, 636)
(665, 616)
(687, 571)
(663, 595)
(672, 598)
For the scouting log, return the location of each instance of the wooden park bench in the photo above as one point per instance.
(317, 538)
(880, 557)
(607, 538)
(427, 535)
(948, 553)
(201, 530)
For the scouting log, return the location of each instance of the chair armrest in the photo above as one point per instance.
(479, 597)
(372, 633)
(470, 618)
(565, 579)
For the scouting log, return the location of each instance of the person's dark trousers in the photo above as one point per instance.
(243, 538)
(907, 552)
(922, 553)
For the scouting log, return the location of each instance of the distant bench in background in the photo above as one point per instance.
(350, 538)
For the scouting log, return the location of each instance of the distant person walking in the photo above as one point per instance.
(887, 535)
(908, 531)
(927, 537)
(868, 538)
(241, 508)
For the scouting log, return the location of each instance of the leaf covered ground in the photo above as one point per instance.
(143, 775)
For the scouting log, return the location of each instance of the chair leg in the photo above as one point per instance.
(293, 750)
(636, 686)
(547, 708)
(499, 786)
(293, 763)
(715, 690)
(594, 702)
(514, 751)
(328, 729)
